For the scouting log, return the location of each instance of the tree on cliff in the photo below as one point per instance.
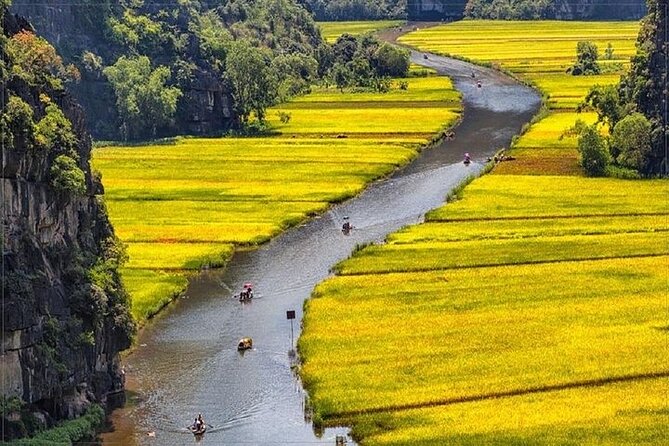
(145, 103)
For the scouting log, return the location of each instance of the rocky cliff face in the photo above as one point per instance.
(64, 310)
(429, 10)
(599, 9)
(527, 9)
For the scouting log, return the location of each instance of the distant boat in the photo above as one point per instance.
(245, 344)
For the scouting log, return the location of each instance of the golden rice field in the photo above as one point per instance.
(183, 206)
(466, 305)
(332, 30)
(536, 51)
(633, 413)
(528, 296)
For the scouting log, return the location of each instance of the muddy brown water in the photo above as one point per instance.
(186, 361)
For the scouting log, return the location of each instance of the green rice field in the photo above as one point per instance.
(188, 205)
(531, 309)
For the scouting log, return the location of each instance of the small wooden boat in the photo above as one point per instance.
(245, 344)
(197, 431)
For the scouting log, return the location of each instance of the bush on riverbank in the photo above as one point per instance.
(72, 431)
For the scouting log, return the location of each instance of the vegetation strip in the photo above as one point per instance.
(335, 418)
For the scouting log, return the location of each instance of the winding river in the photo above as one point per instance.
(186, 360)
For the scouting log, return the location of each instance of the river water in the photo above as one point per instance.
(186, 360)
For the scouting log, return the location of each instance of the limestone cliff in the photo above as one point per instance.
(75, 28)
(527, 9)
(599, 9)
(64, 310)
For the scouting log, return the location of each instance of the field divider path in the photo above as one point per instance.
(340, 417)
(495, 265)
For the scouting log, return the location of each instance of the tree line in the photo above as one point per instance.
(634, 110)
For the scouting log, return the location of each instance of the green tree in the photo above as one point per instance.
(16, 123)
(214, 39)
(144, 101)
(605, 100)
(253, 85)
(341, 76)
(54, 131)
(361, 71)
(594, 155)
(389, 60)
(630, 141)
(295, 74)
(586, 59)
(36, 62)
(136, 32)
(67, 177)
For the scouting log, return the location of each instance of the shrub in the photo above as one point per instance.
(69, 432)
(630, 141)
(54, 130)
(16, 121)
(586, 59)
(622, 173)
(36, 61)
(595, 155)
(67, 177)
(284, 117)
(389, 60)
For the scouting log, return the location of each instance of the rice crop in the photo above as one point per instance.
(426, 256)
(527, 196)
(384, 341)
(629, 413)
(539, 53)
(187, 205)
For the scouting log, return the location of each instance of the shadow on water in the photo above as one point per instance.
(187, 361)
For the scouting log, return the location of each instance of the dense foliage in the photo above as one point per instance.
(510, 9)
(325, 10)
(594, 152)
(586, 59)
(143, 100)
(364, 62)
(549, 9)
(68, 433)
(639, 140)
(645, 85)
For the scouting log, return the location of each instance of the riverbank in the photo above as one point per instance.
(538, 291)
(189, 205)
